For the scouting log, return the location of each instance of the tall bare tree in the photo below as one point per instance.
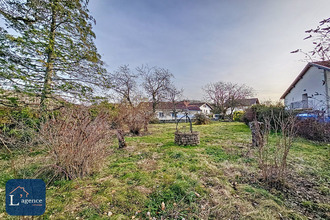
(156, 83)
(226, 95)
(123, 82)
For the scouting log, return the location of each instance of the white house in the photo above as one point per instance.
(310, 90)
(203, 106)
(243, 104)
(165, 110)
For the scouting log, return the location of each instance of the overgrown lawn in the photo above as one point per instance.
(153, 177)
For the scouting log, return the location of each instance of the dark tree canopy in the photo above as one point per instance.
(47, 49)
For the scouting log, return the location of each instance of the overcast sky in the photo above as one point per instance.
(202, 41)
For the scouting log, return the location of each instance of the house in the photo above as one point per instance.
(310, 90)
(242, 105)
(165, 110)
(205, 108)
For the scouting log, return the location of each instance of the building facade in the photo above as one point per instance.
(310, 90)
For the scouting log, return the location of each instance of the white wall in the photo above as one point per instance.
(311, 83)
(205, 109)
(167, 115)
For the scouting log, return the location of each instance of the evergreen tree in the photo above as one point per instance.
(47, 49)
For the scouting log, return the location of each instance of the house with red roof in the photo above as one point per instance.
(165, 111)
(310, 90)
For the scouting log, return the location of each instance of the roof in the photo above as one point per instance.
(193, 108)
(199, 104)
(242, 102)
(320, 64)
(248, 102)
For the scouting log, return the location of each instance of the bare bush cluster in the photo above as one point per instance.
(313, 129)
(135, 118)
(201, 119)
(273, 150)
(18, 126)
(77, 141)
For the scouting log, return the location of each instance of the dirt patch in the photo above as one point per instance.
(299, 193)
(144, 190)
(303, 194)
(147, 164)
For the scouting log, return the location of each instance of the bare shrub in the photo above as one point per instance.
(18, 126)
(135, 118)
(201, 119)
(273, 151)
(313, 129)
(77, 141)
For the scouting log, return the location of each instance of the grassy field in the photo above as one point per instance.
(155, 179)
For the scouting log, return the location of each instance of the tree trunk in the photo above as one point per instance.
(121, 138)
(46, 90)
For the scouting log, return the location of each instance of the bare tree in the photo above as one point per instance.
(123, 82)
(156, 83)
(320, 37)
(226, 95)
(173, 95)
(238, 94)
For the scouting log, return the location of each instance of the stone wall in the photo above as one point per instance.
(187, 138)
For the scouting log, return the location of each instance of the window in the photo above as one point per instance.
(161, 114)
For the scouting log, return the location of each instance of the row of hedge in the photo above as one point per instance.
(312, 129)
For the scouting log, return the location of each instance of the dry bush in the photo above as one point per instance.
(135, 118)
(273, 156)
(18, 126)
(201, 119)
(313, 129)
(77, 141)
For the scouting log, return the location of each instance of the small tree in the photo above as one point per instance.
(123, 82)
(226, 96)
(156, 83)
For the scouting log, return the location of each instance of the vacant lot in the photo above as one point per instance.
(154, 178)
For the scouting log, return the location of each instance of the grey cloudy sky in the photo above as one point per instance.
(202, 41)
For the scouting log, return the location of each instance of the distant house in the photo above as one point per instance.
(165, 110)
(310, 90)
(243, 104)
(205, 108)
